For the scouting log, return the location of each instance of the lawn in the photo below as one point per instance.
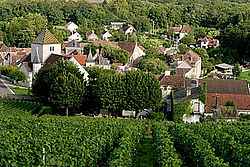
(20, 91)
(245, 75)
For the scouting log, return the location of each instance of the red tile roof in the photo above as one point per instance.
(241, 101)
(81, 59)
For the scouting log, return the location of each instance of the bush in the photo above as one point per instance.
(157, 116)
(5, 70)
(17, 76)
(244, 117)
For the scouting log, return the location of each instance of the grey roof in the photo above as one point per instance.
(101, 61)
(181, 95)
(226, 86)
(45, 37)
(90, 57)
(74, 44)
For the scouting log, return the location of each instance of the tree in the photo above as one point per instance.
(153, 65)
(206, 64)
(66, 92)
(142, 91)
(115, 54)
(188, 40)
(17, 76)
(182, 48)
(42, 81)
(236, 70)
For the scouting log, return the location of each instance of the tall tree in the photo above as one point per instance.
(66, 92)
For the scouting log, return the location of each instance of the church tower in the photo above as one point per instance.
(90, 60)
(44, 45)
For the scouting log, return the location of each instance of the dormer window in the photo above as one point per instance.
(52, 48)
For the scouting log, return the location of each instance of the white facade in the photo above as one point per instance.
(81, 69)
(198, 109)
(28, 75)
(135, 55)
(106, 36)
(44, 51)
(71, 26)
(129, 30)
(76, 36)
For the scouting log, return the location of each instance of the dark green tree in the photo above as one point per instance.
(66, 92)
(153, 65)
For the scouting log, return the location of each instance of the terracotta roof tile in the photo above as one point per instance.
(241, 101)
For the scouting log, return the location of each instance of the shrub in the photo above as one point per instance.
(157, 116)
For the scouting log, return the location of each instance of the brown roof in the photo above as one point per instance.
(27, 66)
(241, 101)
(182, 71)
(53, 59)
(227, 86)
(45, 37)
(128, 46)
(177, 82)
(81, 59)
(185, 29)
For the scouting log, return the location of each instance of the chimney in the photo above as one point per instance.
(217, 102)
(189, 92)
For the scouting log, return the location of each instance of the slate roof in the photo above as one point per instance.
(73, 44)
(181, 95)
(45, 37)
(90, 57)
(227, 86)
(28, 66)
(241, 101)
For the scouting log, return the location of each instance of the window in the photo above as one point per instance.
(52, 48)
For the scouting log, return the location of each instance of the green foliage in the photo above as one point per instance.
(134, 91)
(89, 141)
(188, 40)
(5, 70)
(236, 70)
(41, 85)
(115, 54)
(153, 65)
(183, 49)
(21, 31)
(156, 116)
(203, 97)
(230, 103)
(66, 92)
(228, 140)
(245, 76)
(96, 72)
(17, 75)
(223, 55)
(151, 45)
(206, 63)
(197, 150)
(166, 154)
(180, 109)
(124, 154)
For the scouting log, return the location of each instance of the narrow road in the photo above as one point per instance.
(4, 89)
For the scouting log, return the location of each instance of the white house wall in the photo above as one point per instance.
(44, 51)
(81, 69)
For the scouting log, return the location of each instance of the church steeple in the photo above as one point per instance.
(90, 57)
(45, 37)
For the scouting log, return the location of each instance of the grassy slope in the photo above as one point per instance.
(245, 75)
(20, 91)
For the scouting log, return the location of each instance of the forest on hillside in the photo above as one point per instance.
(230, 18)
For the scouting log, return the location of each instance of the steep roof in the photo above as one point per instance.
(45, 37)
(227, 86)
(241, 101)
(185, 29)
(53, 59)
(90, 57)
(81, 59)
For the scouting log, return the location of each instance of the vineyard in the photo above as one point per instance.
(27, 140)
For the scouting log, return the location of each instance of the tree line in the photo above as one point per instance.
(62, 87)
(230, 18)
